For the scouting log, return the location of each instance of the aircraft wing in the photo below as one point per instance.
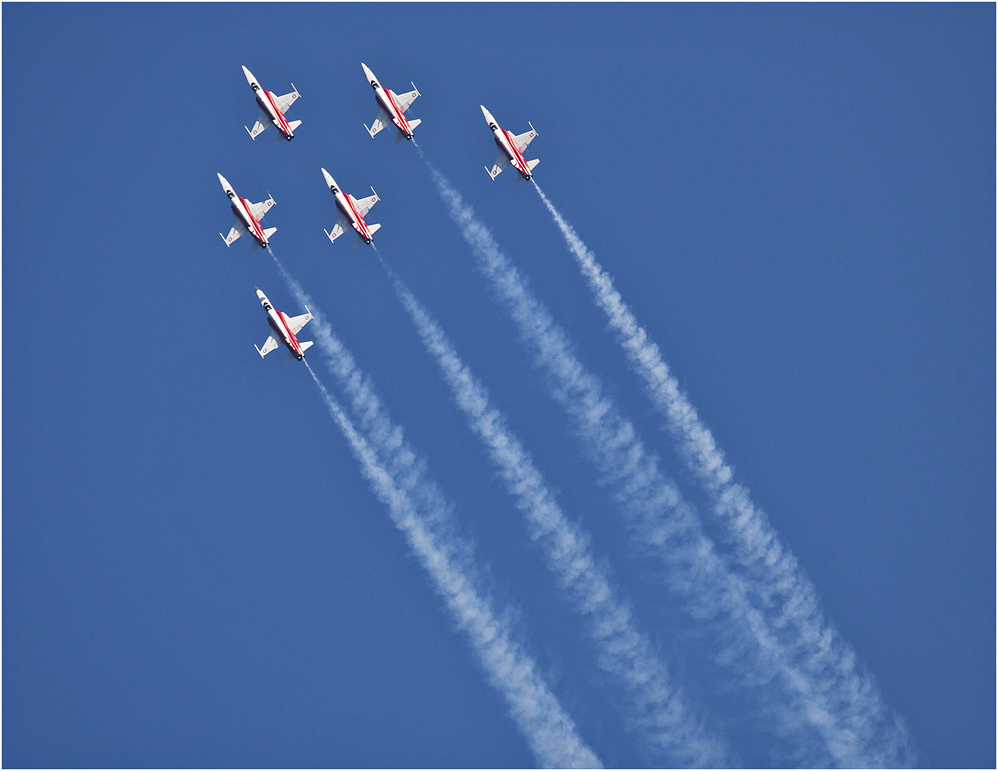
(502, 161)
(259, 126)
(522, 140)
(268, 346)
(338, 229)
(404, 100)
(284, 102)
(379, 123)
(364, 205)
(237, 230)
(297, 322)
(259, 209)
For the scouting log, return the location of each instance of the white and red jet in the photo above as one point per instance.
(393, 107)
(352, 213)
(248, 216)
(285, 329)
(272, 109)
(511, 148)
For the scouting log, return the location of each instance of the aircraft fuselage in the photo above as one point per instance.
(267, 103)
(279, 323)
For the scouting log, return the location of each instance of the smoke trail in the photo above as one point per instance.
(547, 728)
(657, 712)
(777, 583)
(660, 520)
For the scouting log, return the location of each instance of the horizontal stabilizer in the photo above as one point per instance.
(269, 232)
(372, 229)
(414, 123)
(531, 164)
(306, 345)
(294, 124)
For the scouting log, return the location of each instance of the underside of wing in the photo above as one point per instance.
(259, 209)
(297, 322)
(502, 161)
(262, 122)
(404, 100)
(522, 140)
(238, 229)
(284, 102)
(268, 346)
(338, 229)
(364, 205)
(379, 123)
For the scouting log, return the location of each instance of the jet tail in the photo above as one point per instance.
(305, 346)
(372, 229)
(294, 124)
(414, 123)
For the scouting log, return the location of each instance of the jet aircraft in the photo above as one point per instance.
(248, 216)
(285, 329)
(511, 148)
(272, 109)
(352, 213)
(392, 108)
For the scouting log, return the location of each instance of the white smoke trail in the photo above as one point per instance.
(659, 518)
(657, 709)
(776, 582)
(547, 728)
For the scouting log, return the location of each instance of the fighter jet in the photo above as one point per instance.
(248, 216)
(392, 108)
(511, 149)
(352, 213)
(272, 109)
(285, 330)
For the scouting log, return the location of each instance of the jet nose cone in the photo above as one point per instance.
(330, 182)
(260, 295)
(367, 71)
(224, 182)
(249, 75)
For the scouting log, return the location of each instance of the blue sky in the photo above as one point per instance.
(796, 202)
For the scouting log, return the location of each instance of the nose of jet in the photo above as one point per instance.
(368, 73)
(249, 76)
(260, 295)
(488, 116)
(225, 183)
(330, 182)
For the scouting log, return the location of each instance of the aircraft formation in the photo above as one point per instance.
(391, 111)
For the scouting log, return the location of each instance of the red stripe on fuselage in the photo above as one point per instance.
(354, 216)
(519, 161)
(282, 122)
(285, 331)
(255, 229)
(400, 120)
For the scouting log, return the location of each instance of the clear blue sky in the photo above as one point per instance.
(796, 201)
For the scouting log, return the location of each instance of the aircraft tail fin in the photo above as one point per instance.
(306, 345)
(531, 164)
(269, 232)
(374, 228)
(414, 123)
(294, 124)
